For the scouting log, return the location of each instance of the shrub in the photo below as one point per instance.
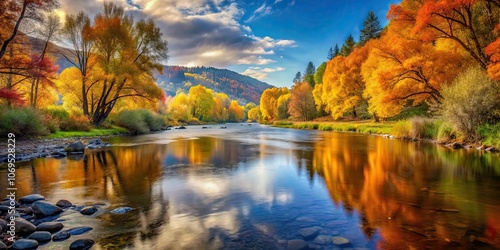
(401, 129)
(490, 134)
(445, 133)
(139, 121)
(76, 123)
(470, 101)
(423, 128)
(23, 122)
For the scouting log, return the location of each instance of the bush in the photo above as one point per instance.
(76, 123)
(445, 133)
(401, 129)
(140, 121)
(470, 101)
(423, 128)
(23, 122)
(490, 134)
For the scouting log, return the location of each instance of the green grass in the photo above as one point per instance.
(367, 127)
(93, 132)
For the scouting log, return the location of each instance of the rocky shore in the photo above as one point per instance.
(55, 148)
(31, 221)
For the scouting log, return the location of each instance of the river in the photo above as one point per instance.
(258, 187)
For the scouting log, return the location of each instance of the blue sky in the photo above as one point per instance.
(269, 39)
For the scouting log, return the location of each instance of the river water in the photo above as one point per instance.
(258, 187)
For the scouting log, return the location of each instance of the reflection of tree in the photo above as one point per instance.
(397, 186)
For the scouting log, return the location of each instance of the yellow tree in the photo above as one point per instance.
(202, 102)
(236, 112)
(403, 70)
(221, 107)
(269, 102)
(179, 107)
(254, 114)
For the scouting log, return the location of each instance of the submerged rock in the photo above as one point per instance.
(75, 147)
(78, 230)
(121, 210)
(50, 227)
(89, 210)
(340, 241)
(28, 199)
(309, 233)
(64, 203)
(23, 244)
(40, 236)
(63, 235)
(81, 244)
(297, 245)
(43, 209)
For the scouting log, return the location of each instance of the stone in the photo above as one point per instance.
(40, 236)
(2, 246)
(60, 236)
(297, 245)
(323, 239)
(3, 223)
(336, 223)
(456, 145)
(23, 244)
(89, 210)
(64, 203)
(491, 149)
(78, 230)
(50, 227)
(81, 244)
(309, 233)
(75, 147)
(121, 210)
(24, 227)
(10, 203)
(28, 199)
(43, 209)
(340, 241)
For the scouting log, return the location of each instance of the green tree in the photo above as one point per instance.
(336, 51)
(320, 71)
(371, 28)
(309, 74)
(331, 54)
(348, 46)
(297, 78)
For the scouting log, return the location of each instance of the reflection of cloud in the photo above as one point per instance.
(199, 32)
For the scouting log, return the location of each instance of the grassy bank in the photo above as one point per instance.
(92, 133)
(368, 127)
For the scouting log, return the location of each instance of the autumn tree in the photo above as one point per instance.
(179, 107)
(269, 102)
(401, 71)
(254, 114)
(283, 106)
(318, 75)
(467, 23)
(309, 74)
(371, 28)
(221, 107)
(236, 112)
(302, 105)
(201, 102)
(348, 46)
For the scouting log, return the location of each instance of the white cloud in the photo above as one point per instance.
(199, 32)
(260, 73)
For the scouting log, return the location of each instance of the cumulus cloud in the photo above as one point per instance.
(199, 32)
(260, 73)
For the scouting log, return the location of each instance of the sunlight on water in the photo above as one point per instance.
(260, 187)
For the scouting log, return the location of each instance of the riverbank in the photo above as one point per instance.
(384, 129)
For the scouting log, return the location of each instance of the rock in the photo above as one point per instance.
(24, 227)
(309, 233)
(297, 245)
(26, 210)
(64, 203)
(75, 147)
(480, 147)
(181, 127)
(10, 203)
(121, 210)
(41, 236)
(2, 246)
(3, 223)
(63, 235)
(456, 145)
(336, 223)
(97, 142)
(81, 244)
(89, 210)
(28, 199)
(491, 149)
(43, 209)
(340, 241)
(25, 244)
(323, 239)
(50, 226)
(78, 230)
(4, 209)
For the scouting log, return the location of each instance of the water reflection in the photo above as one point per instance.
(257, 187)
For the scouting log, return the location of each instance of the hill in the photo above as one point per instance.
(239, 87)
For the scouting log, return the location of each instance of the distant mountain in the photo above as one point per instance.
(239, 87)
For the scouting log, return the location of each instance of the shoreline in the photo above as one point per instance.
(379, 129)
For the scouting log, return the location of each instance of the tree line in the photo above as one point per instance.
(422, 57)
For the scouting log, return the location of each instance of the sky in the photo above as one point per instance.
(270, 40)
